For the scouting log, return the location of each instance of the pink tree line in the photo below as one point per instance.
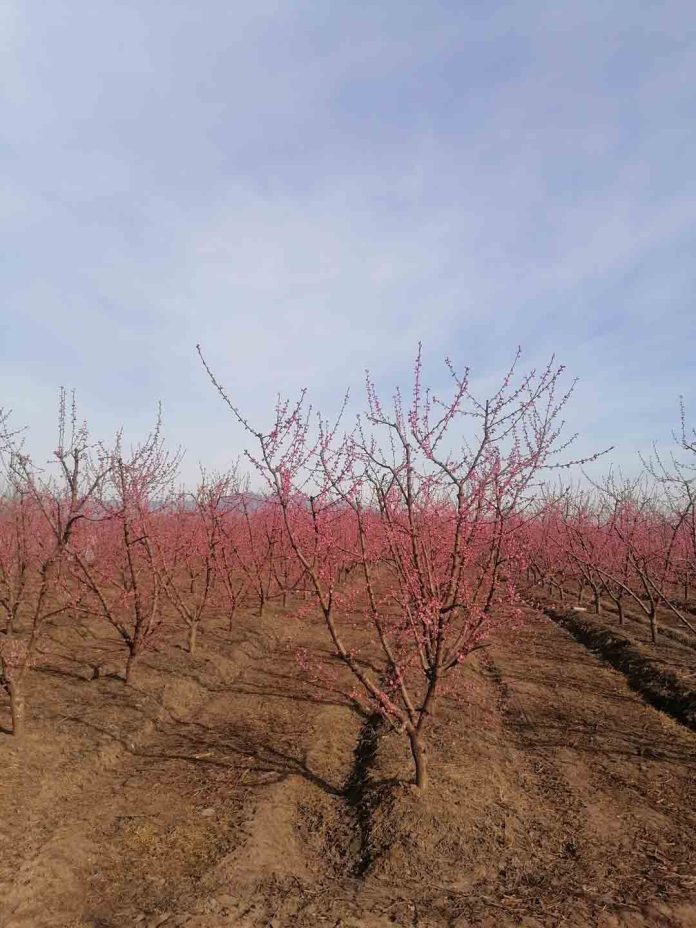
(101, 535)
(631, 541)
(408, 534)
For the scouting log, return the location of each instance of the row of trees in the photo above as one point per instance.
(410, 536)
(104, 534)
(630, 542)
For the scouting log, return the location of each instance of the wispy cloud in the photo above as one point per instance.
(309, 190)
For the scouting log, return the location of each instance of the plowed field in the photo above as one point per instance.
(226, 790)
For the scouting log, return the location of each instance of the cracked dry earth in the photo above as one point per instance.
(226, 791)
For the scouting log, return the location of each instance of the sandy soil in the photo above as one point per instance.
(225, 790)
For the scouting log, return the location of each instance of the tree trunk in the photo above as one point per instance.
(17, 707)
(419, 759)
(192, 637)
(130, 665)
(653, 622)
(597, 601)
(620, 607)
(230, 625)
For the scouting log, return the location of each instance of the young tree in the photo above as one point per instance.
(639, 565)
(435, 492)
(42, 514)
(233, 582)
(20, 542)
(676, 477)
(189, 538)
(116, 555)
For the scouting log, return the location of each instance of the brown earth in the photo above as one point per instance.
(225, 790)
(663, 672)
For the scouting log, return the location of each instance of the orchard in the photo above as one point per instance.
(413, 535)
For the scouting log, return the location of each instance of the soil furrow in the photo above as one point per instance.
(624, 771)
(228, 790)
(647, 674)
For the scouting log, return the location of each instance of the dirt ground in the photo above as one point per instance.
(225, 790)
(663, 672)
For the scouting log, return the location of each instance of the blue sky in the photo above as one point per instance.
(308, 189)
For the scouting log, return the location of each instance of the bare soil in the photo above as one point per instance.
(663, 672)
(226, 790)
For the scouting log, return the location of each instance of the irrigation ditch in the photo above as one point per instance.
(647, 675)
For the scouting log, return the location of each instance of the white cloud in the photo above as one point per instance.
(308, 195)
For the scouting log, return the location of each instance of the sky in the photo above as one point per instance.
(309, 189)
